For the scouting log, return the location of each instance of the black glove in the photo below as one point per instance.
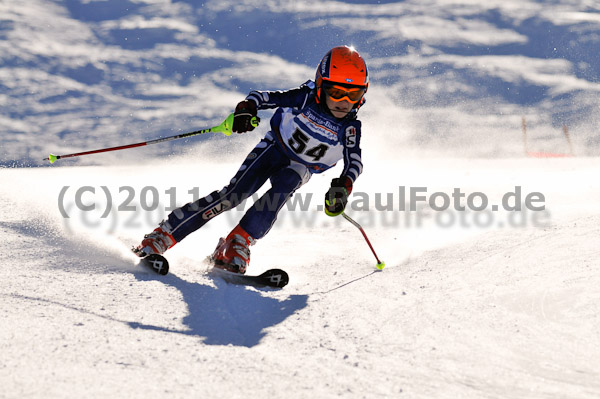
(337, 196)
(244, 116)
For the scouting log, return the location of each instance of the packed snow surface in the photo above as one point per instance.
(459, 311)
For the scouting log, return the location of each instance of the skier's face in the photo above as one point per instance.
(339, 109)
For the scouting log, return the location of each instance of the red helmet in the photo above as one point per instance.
(343, 67)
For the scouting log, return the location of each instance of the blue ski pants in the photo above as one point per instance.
(265, 162)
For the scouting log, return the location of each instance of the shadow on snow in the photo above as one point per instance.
(226, 314)
(221, 314)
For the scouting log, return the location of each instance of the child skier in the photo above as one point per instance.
(314, 126)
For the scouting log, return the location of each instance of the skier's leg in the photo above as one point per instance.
(259, 219)
(233, 252)
(252, 174)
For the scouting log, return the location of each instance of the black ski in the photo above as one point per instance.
(157, 263)
(274, 278)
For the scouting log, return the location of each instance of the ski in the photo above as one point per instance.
(157, 263)
(274, 278)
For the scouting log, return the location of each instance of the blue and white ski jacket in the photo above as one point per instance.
(310, 135)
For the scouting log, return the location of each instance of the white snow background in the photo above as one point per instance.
(490, 304)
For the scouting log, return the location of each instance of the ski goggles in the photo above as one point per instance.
(339, 93)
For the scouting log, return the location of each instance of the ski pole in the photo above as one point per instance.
(380, 264)
(224, 127)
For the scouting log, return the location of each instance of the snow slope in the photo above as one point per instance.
(467, 312)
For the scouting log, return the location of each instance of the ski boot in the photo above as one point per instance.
(156, 242)
(233, 252)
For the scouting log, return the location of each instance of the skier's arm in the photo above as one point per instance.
(295, 98)
(336, 197)
(352, 154)
(245, 111)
